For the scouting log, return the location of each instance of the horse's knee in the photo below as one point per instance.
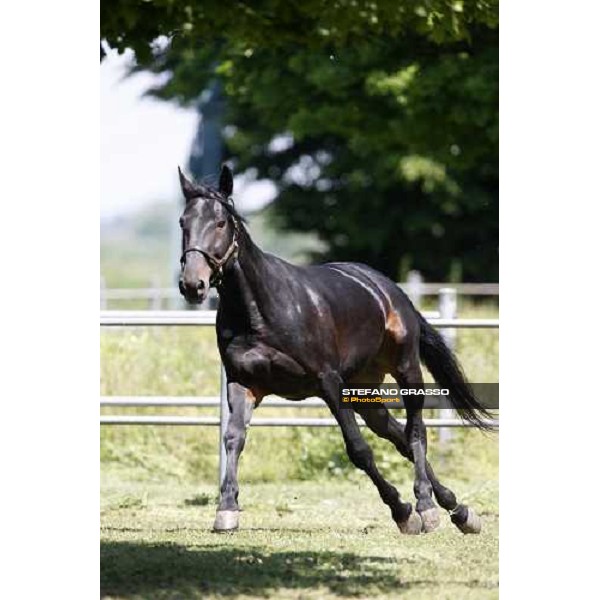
(234, 445)
(234, 440)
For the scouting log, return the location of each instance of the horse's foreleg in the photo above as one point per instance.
(361, 455)
(382, 423)
(241, 403)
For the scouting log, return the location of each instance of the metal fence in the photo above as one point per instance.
(156, 297)
(447, 322)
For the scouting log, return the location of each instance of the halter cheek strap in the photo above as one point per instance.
(216, 264)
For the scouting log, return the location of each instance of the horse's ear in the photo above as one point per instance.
(226, 181)
(187, 187)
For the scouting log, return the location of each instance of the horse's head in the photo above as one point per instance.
(209, 235)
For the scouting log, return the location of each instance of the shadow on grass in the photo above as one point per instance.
(171, 570)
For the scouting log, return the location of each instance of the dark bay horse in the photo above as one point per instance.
(303, 331)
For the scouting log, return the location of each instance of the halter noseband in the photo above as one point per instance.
(216, 264)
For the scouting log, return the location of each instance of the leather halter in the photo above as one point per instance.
(216, 264)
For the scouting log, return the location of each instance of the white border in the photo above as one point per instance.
(49, 232)
(549, 192)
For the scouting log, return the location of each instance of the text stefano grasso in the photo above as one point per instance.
(396, 391)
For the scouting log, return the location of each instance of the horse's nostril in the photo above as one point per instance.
(200, 286)
(181, 287)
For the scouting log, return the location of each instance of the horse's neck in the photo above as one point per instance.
(245, 283)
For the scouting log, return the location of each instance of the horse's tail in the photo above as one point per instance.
(447, 372)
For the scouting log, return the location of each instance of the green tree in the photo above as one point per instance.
(135, 24)
(376, 120)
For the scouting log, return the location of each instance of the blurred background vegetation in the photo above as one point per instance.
(376, 120)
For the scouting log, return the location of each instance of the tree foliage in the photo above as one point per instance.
(377, 120)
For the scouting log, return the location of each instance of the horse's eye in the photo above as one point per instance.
(220, 224)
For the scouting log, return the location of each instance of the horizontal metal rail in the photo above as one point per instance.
(147, 293)
(426, 288)
(262, 421)
(126, 318)
(214, 401)
(202, 401)
(149, 318)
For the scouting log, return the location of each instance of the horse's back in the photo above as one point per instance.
(379, 327)
(379, 283)
(401, 317)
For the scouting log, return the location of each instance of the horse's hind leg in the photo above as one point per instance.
(383, 424)
(416, 435)
(361, 455)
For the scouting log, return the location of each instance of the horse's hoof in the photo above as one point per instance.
(431, 519)
(472, 524)
(226, 520)
(412, 525)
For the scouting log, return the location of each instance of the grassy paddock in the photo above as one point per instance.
(298, 540)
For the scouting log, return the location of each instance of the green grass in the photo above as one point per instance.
(297, 540)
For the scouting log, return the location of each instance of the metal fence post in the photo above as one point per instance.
(103, 302)
(224, 419)
(448, 310)
(414, 287)
(155, 299)
(213, 299)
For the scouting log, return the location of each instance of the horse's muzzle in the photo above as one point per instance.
(194, 292)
